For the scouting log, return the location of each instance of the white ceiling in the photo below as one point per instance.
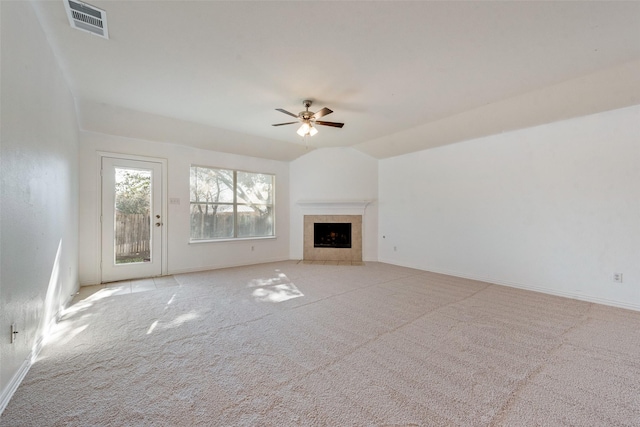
(403, 76)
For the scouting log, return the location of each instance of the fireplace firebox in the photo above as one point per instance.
(331, 235)
(352, 253)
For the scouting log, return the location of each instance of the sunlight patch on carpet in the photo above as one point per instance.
(152, 327)
(274, 289)
(64, 334)
(86, 303)
(182, 319)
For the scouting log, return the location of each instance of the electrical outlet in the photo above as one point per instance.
(14, 332)
(252, 248)
(617, 277)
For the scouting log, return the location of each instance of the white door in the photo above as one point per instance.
(131, 219)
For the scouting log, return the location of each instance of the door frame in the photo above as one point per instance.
(164, 206)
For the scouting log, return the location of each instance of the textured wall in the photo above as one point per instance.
(335, 174)
(553, 208)
(39, 190)
(183, 256)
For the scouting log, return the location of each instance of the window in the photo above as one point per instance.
(228, 204)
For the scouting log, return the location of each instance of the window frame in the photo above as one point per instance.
(234, 204)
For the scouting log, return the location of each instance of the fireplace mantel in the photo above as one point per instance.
(334, 207)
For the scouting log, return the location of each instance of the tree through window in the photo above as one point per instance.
(228, 204)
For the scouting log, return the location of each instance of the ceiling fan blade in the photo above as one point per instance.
(282, 124)
(322, 112)
(333, 124)
(286, 112)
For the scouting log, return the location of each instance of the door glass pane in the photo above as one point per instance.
(132, 237)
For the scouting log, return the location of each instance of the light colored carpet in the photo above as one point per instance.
(288, 344)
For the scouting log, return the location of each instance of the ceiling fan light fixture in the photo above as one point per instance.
(308, 119)
(304, 129)
(307, 129)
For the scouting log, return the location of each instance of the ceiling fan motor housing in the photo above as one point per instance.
(309, 118)
(306, 115)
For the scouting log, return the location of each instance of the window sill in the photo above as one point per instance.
(238, 239)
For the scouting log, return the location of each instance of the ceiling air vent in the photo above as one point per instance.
(87, 18)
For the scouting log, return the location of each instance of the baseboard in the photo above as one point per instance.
(208, 267)
(550, 291)
(18, 377)
(573, 295)
(16, 380)
(220, 266)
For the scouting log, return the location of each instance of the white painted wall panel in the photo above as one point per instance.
(554, 208)
(183, 256)
(334, 174)
(38, 191)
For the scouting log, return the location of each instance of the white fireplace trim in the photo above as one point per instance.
(334, 207)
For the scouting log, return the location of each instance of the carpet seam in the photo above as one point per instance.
(499, 416)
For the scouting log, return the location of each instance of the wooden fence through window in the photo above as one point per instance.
(132, 235)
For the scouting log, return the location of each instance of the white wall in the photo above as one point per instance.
(183, 256)
(554, 208)
(335, 174)
(38, 193)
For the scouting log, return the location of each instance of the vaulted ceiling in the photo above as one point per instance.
(403, 76)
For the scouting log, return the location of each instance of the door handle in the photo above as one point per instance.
(158, 224)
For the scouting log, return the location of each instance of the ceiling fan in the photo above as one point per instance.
(309, 119)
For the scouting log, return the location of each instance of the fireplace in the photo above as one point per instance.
(333, 238)
(332, 235)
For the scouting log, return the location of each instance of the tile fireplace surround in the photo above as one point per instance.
(346, 211)
(354, 253)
